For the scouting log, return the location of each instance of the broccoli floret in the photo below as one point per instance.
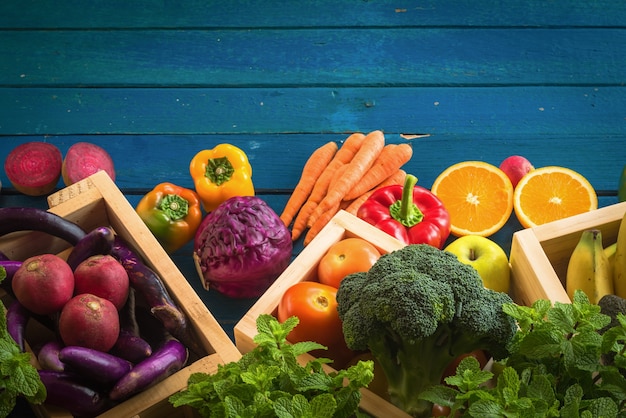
(416, 310)
(611, 305)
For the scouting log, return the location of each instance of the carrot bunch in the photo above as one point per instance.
(342, 177)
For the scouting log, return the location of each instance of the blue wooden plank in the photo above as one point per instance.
(314, 57)
(144, 161)
(327, 13)
(465, 111)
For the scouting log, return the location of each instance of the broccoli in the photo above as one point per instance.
(416, 310)
(611, 305)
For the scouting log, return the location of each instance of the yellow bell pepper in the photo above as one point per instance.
(221, 173)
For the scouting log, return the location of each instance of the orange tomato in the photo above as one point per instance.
(350, 255)
(315, 305)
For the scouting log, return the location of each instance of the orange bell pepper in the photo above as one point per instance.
(221, 173)
(172, 213)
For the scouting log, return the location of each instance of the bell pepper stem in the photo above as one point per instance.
(405, 210)
(174, 206)
(219, 170)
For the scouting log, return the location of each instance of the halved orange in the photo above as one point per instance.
(477, 195)
(550, 193)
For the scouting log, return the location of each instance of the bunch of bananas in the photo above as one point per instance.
(595, 269)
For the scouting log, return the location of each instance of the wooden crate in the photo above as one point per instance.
(539, 256)
(96, 201)
(303, 268)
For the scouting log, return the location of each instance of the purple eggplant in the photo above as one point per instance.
(17, 317)
(148, 283)
(96, 242)
(94, 365)
(164, 362)
(48, 356)
(13, 219)
(10, 267)
(130, 345)
(67, 391)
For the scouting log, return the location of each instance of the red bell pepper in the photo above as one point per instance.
(410, 213)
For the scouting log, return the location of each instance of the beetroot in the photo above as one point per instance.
(89, 321)
(104, 276)
(34, 168)
(43, 283)
(84, 159)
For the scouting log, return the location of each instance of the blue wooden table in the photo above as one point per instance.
(154, 82)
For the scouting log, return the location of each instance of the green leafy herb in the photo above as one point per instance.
(270, 382)
(17, 376)
(554, 369)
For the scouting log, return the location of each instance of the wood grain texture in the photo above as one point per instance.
(313, 57)
(317, 13)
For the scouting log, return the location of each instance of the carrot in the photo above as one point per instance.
(313, 168)
(358, 166)
(390, 159)
(338, 174)
(395, 178)
(343, 156)
(320, 223)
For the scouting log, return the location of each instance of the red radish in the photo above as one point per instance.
(43, 284)
(516, 167)
(104, 276)
(34, 168)
(84, 159)
(89, 321)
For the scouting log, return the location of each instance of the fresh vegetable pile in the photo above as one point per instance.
(114, 329)
(269, 382)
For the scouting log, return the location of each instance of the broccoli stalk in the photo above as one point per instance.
(416, 310)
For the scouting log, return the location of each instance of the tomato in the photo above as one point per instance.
(315, 305)
(350, 255)
(440, 411)
(451, 368)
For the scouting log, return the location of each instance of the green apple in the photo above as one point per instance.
(487, 257)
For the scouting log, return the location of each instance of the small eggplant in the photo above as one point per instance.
(96, 242)
(10, 267)
(17, 317)
(66, 391)
(130, 345)
(148, 283)
(94, 365)
(13, 219)
(48, 356)
(164, 362)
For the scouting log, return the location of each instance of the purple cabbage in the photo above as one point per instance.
(242, 247)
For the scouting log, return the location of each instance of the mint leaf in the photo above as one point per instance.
(269, 381)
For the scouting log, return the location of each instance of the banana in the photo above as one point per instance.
(619, 262)
(588, 268)
(610, 255)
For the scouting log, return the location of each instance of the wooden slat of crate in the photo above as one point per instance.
(539, 256)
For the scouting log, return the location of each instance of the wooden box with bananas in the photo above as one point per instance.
(551, 260)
